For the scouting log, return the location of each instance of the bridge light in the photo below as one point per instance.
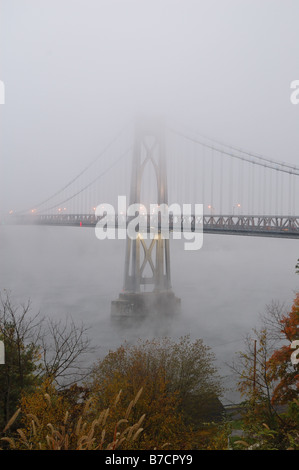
(238, 205)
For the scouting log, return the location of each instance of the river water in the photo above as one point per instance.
(223, 287)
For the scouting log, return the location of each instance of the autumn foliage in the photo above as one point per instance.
(281, 368)
(269, 380)
(135, 398)
(154, 394)
(54, 427)
(170, 374)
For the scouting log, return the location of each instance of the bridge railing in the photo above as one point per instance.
(263, 225)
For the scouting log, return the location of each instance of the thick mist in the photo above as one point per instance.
(223, 287)
(77, 71)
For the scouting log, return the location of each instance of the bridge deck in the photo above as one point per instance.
(255, 225)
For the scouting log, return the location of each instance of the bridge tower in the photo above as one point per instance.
(147, 281)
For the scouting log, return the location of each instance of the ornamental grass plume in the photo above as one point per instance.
(83, 434)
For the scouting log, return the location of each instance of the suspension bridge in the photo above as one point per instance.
(241, 193)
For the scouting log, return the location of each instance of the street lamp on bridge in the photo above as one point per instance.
(237, 206)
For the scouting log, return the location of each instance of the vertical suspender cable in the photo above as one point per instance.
(290, 195)
(240, 183)
(253, 189)
(231, 184)
(221, 184)
(264, 189)
(281, 194)
(294, 195)
(270, 191)
(212, 180)
(194, 199)
(277, 189)
(203, 176)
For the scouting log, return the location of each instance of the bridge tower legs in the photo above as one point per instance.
(147, 280)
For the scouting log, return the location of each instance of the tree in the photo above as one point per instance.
(21, 356)
(34, 350)
(283, 371)
(63, 344)
(269, 379)
(171, 374)
(254, 382)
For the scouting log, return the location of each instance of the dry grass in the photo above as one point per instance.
(81, 435)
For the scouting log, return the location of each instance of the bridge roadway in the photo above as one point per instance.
(252, 225)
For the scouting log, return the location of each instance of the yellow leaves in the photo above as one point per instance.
(87, 432)
(134, 403)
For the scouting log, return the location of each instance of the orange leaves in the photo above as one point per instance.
(290, 323)
(283, 372)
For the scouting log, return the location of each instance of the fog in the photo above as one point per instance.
(75, 72)
(223, 287)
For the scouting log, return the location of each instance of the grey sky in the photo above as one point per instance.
(75, 70)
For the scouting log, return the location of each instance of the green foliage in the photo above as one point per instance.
(270, 381)
(18, 372)
(35, 350)
(282, 435)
